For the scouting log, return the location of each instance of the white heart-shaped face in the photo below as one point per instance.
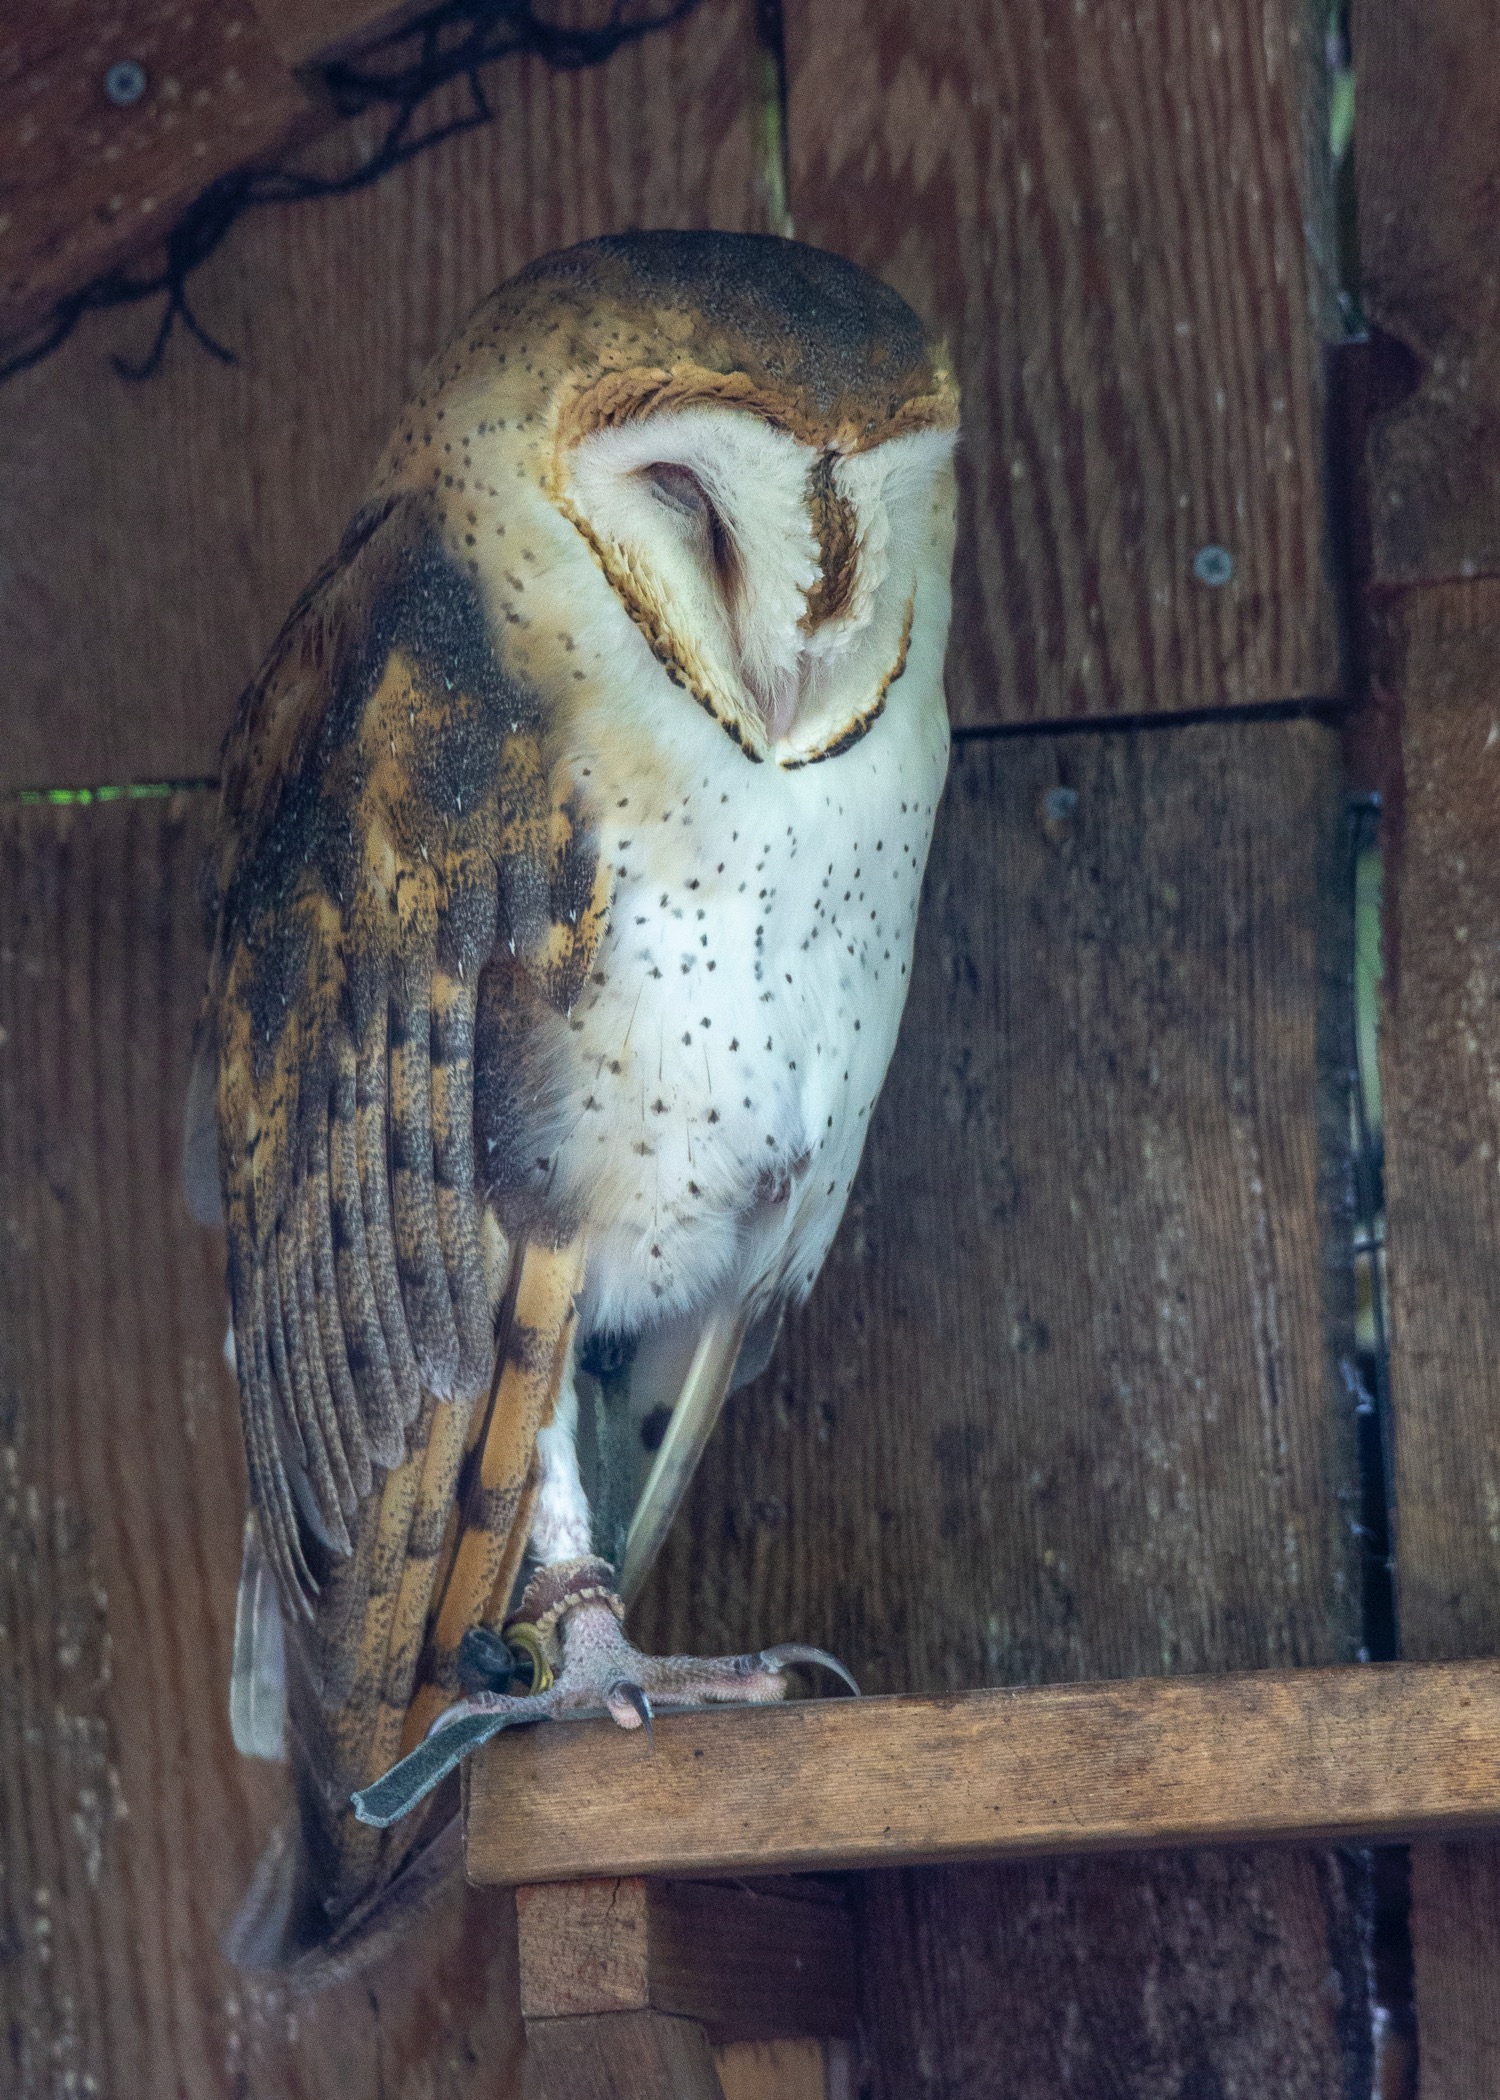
(776, 581)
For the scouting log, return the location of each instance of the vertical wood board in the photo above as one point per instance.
(1067, 1402)
(1436, 659)
(1121, 216)
(1428, 169)
(128, 1824)
(156, 534)
(1073, 1351)
(1435, 652)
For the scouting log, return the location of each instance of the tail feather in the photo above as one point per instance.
(280, 1930)
(257, 1683)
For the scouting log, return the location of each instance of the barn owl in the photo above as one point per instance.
(565, 881)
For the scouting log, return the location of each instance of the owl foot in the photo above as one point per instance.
(569, 1630)
(582, 1665)
(603, 1672)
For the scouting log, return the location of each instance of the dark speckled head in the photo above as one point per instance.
(794, 320)
(634, 323)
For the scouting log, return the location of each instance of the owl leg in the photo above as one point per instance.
(569, 1622)
(582, 1665)
(569, 1631)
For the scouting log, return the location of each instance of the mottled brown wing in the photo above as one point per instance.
(398, 859)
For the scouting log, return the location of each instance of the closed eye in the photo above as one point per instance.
(678, 489)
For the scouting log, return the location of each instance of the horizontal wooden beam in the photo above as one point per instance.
(1388, 1751)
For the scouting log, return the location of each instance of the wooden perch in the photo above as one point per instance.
(1382, 1752)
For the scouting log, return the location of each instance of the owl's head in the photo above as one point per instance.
(754, 441)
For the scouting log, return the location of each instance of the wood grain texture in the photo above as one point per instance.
(1345, 1754)
(584, 1948)
(84, 182)
(1435, 652)
(748, 1962)
(1455, 1919)
(1429, 166)
(155, 535)
(1438, 659)
(754, 1962)
(1234, 1973)
(1121, 215)
(307, 31)
(128, 1825)
(1065, 1403)
(619, 2056)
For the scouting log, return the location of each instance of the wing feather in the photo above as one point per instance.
(370, 1090)
(397, 852)
(384, 1416)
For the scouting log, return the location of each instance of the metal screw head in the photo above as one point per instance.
(125, 82)
(1059, 814)
(1213, 565)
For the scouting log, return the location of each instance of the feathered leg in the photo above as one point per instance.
(570, 1620)
(494, 1521)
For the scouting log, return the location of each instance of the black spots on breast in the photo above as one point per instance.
(773, 1185)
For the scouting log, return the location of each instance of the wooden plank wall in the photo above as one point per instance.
(1068, 1403)
(129, 1822)
(152, 540)
(1120, 215)
(1429, 164)
(155, 535)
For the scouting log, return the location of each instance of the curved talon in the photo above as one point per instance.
(795, 1652)
(635, 1698)
(458, 1711)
